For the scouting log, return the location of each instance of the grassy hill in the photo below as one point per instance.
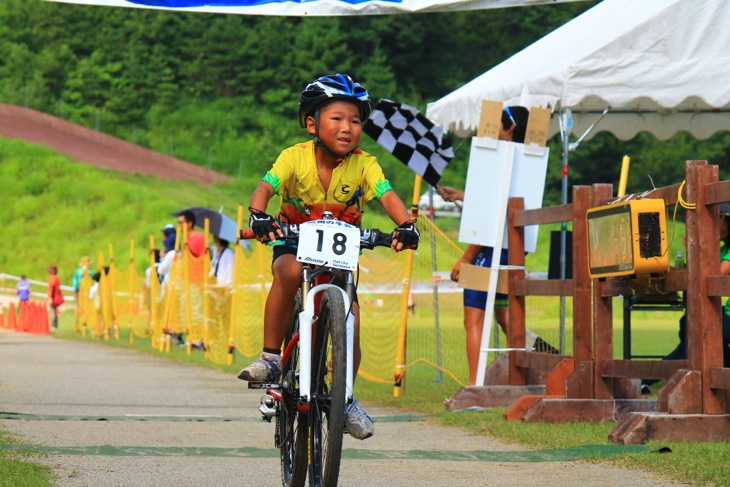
(55, 209)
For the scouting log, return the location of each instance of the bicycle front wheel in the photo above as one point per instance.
(327, 404)
(291, 427)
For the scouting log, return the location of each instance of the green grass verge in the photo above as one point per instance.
(19, 470)
(697, 463)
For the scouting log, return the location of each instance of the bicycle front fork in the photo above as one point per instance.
(306, 323)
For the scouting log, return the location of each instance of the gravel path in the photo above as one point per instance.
(105, 416)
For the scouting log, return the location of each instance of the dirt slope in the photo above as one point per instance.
(92, 147)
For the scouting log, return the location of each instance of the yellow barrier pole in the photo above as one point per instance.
(154, 336)
(206, 289)
(131, 294)
(238, 255)
(83, 302)
(113, 292)
(624, 176)
(400, 365)
(101, 330)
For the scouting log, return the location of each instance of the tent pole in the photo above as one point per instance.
(566, 124)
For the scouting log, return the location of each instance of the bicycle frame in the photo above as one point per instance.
(307, 321)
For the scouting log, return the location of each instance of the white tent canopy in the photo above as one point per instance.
(661, 65)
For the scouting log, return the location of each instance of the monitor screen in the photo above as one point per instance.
(610, 248)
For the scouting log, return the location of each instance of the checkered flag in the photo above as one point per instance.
(410, 137)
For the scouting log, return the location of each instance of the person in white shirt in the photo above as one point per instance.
(222, 265)
(167, 257)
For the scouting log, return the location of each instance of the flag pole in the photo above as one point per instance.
(434, 267)
(400, 364)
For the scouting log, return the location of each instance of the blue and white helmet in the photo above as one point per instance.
(331, 88)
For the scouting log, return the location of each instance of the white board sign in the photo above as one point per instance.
(488, 188)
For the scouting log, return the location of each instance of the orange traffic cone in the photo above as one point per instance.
(25, 316)
(12, 322)
(45, 326)
(2, 317)
(31, 320)
(32, 317)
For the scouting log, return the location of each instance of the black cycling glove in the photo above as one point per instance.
(407, 233)
(261, 223)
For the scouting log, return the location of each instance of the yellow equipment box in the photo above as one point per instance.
(627, 238)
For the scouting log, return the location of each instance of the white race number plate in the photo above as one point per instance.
(329, 243)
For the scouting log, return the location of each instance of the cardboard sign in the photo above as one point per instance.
(537, 126)
(477, 278)
(490, 119)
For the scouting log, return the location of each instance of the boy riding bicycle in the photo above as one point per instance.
(329, 173)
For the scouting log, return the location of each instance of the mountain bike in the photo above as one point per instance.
(308, 403)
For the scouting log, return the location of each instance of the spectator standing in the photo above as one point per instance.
(222, 265)
(196, 240)
(84, 265)
(169, 233)
(155, 258)
(23, 291)
(167, 254)
(55, 296)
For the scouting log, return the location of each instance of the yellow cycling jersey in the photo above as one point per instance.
(355, 181)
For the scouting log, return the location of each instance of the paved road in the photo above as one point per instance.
(105, 416)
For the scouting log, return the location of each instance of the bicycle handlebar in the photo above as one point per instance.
(369, 237)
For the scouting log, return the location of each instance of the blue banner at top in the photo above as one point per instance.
(307, 8)
(236, 3)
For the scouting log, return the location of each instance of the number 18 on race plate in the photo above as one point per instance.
(329, 243)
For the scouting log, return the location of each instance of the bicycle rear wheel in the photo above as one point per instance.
(327, 404)
(291, 427)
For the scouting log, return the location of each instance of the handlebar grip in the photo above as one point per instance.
(246, 234)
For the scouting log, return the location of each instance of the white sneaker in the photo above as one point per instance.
(266, 369)
(357, 422)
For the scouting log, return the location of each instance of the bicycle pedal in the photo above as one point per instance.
(264, 385)
(268, 407)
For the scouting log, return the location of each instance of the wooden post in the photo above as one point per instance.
(704, 322)
(516, 324)
(602, 312)
(580, 384)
